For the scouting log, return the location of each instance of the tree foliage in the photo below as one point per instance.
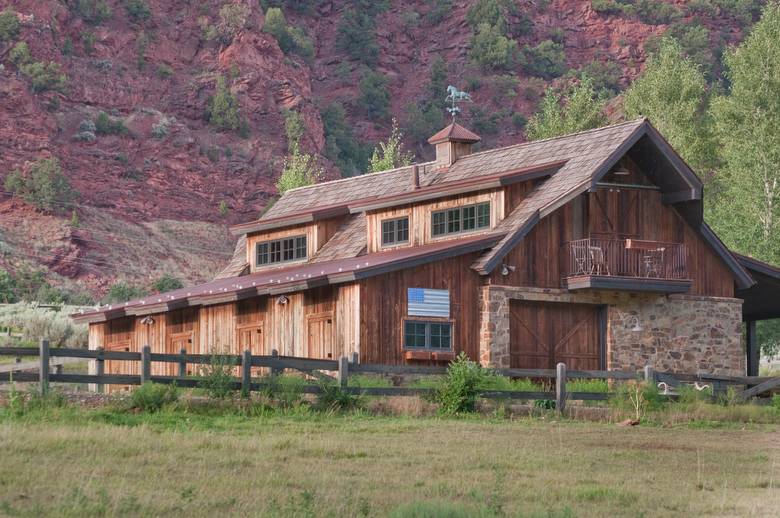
(289, 38)
(43, 185)
(300, 170)
(390, 154)
(356, 36)
(578, 108)
(374, 95)
(167, 282)
(223, 110)
(491, 49)
(672, 93)
(341, 145)
(9, 24)
(122, 291)
(547, 59)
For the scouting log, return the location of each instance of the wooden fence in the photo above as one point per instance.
(343, 367)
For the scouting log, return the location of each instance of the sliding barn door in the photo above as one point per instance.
(543, 334)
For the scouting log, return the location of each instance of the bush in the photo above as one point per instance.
(458, 391)
(374, 95)
(9, 24)
(289, 38)
(151, 397)
(20, 54)
(38, 323)
(122, 292)
(93, 11)
(440, 10)
(105, 125)
(390, 154)
(300, 170)
(223, 110)
(333, 398)
(294, 127)
(356, 36)
(604, 75)
(341, 145)
(636, 398)
(43, 185)
(137, 10)
(654, 12)
(217, 376)
(284, 389)
(7, 287)
(547, 59)
(164, 71)
(161, 128)
(491, 50)
(232, 19)
(167, 283)
(44, 76)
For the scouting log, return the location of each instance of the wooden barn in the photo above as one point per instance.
(589, 249)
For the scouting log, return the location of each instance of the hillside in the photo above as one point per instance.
(159, 181)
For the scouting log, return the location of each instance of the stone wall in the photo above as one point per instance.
(678, 333)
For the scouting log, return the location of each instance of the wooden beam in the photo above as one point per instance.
(759, 389)
(669, 198)
(752, 348)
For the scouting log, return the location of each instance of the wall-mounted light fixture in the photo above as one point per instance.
(506, 269)
(630, 321)
(147, 321)
(281, 299)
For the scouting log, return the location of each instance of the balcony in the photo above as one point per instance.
(626, 264)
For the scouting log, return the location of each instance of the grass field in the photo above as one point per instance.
(81, 462)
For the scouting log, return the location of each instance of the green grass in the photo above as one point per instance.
(247, 458)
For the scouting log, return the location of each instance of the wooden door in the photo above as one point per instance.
(250, 337)
(320, 339)
(543, 334)
(120, 366)
(176, 342)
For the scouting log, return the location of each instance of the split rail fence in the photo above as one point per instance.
(343, 367)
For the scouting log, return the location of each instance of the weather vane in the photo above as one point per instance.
(455, 96)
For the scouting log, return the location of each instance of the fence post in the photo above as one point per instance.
(274, 355)
(246, 373)
(182, 364)
(343, 371)
(146, 364)
(649, 374)
(43, 372)
(355, 358)
(100, 369)
(560, 387)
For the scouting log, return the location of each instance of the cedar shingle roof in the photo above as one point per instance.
(455, 133)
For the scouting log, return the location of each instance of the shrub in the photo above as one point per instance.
(151, 397)
(604, 75)
(44, 76)
(547, 59)
(167, 283)
(293, 127)
(88, 39)
(9, 24)
(7, 287)
(439, 11)
(284, 389)
(390, 154)
(93, 11)
(411, 19)
(223, 110)
(289, 38)
(606, 6)
(85, 136)
(164, 71)
(356, 36)
(161, 128)
(300, 170)
(43, 185)
(374, 95)
(637, 398)
(105, 125)
(333, 398)
(458, 391)
(137, 10)
(490, 49)
(341, 145)
(223, 208)
(217, 375)
(491, 12)
(232, 19)
(654, 12)
(122, 292)
(20, 54)
(38, 323)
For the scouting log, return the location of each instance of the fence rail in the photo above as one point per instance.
(344, 367)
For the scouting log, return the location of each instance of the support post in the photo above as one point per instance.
(649, 374)
(246, 373)
(146, 364)
(355, 358)
(752, 348)
(100, 370)
(43, 372)
(560, 387)
(182, 364)
(343, 371)
(274, 355)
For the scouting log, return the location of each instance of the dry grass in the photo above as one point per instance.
(74, 463)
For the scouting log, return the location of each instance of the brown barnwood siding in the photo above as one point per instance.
(383, 307)
(420, 217)
(629, 213)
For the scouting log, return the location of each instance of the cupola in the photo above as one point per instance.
(451, 143)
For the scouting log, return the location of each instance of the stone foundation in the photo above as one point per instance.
(679, 333)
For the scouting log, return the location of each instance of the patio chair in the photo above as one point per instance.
(598, 261)
(580, 254)
(652, 262)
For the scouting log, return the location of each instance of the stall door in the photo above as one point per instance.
(250, 338)
(543, 334)
(120, 366)
(176, 342)
(320, 336)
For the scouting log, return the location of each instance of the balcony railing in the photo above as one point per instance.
(626, 258)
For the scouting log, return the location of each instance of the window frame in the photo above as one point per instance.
(282, 250)
(463, 219)
(428, 323)
(394, 222)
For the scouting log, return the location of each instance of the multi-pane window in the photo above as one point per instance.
(281, 250)
(427, 335)
(461, 219)
(395, 231)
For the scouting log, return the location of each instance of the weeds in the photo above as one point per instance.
(285, 390)
(151, 397)
(459, 390)
(334, 398)
(217, 375)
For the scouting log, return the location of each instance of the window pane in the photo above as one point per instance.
(440, 336)
(262, 253)
(469, 217)
(388, 232)
(276, 251)
(483, 215)
(453, 220)
(402, 228)
(439, 223)
(414, 334)
(288, 249)
(300, 247)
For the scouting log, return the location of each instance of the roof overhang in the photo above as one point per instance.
(761, 301)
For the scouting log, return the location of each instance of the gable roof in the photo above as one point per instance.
(454, 133)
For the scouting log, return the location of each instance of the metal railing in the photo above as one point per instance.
(626, 258)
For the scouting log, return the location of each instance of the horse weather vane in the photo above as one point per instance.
(455, 96)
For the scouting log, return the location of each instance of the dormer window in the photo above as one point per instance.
(281, 250)
(395, 231)
(460, 219)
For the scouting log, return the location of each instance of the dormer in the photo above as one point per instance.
(451, 143)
